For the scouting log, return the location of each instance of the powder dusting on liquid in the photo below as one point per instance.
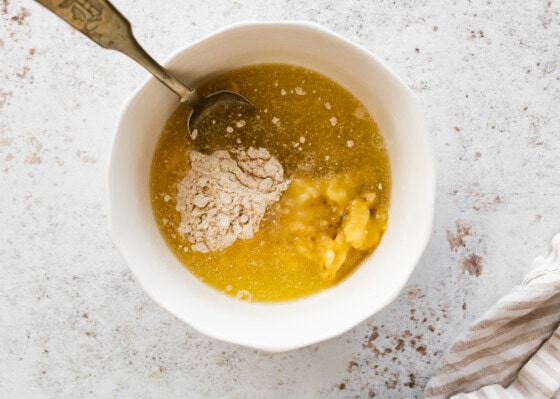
(224, 198)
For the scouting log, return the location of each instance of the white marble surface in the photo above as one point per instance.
(74, 323)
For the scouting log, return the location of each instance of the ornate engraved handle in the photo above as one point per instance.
(104, 24)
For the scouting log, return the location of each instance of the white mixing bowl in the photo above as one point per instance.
(285, 325)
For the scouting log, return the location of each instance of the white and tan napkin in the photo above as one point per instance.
(513, 351)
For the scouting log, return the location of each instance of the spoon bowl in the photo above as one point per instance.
(222, 105)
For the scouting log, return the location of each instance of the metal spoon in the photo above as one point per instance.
(104, 24)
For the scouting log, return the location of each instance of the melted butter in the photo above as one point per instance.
(317, 130)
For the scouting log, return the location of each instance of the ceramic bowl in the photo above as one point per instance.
(288, 325)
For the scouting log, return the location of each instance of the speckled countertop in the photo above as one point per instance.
(74, 323)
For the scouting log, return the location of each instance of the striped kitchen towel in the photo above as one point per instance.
(513, 351)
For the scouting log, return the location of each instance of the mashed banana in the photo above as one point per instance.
(326, 217)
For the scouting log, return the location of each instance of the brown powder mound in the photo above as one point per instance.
(222, 199)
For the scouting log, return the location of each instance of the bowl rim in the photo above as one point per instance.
(429, 193)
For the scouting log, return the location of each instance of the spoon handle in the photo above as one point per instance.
(104, 24)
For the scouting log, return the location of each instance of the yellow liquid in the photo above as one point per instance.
(319, 132)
